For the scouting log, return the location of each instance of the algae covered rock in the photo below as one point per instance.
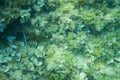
(60, 39)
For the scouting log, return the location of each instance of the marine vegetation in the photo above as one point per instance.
(59, 39)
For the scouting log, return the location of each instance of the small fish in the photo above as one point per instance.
(11, 38)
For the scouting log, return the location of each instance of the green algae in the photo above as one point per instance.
(71, 39)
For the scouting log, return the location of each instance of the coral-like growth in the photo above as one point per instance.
(60, 39)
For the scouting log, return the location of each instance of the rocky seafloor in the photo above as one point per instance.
(59, 39)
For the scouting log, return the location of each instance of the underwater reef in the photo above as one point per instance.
(59, 39)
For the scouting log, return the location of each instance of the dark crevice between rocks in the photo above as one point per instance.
(12, 29)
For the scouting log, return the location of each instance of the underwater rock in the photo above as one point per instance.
(5, 68)
(39, 51)
(36, 61)
(31, 66)
(18, 57)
